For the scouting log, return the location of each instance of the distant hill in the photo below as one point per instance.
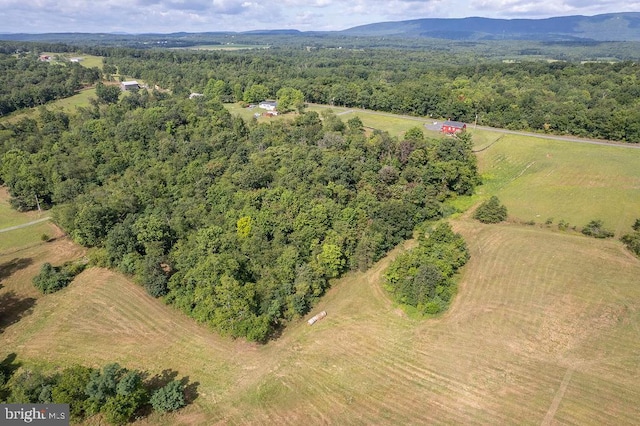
(607, 27)
(623, 26)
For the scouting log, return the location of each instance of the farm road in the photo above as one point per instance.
(24, 225)
(436, 125)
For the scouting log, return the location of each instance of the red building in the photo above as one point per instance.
(453, 127)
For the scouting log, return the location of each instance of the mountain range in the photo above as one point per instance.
(606, 27)
(624, 26)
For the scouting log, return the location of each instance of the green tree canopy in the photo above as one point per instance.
(289, 99)
(491, 211)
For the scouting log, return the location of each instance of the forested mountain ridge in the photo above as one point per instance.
(605, 27)
(623, 26)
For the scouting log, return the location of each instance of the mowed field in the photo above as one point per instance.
(540, 179)
(545, 328)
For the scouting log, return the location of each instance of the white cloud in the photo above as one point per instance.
(239, 15)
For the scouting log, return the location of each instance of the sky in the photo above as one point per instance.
(166, 16)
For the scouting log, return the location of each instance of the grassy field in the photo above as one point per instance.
(88, 61)
(9, 216)
(538, 179)
(80, 99)
(545, 328)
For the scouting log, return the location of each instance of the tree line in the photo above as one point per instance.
(591, 99)
(118, 394)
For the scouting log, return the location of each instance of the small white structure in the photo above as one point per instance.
(195, 95)
(317, 317)
(129, 85)
(268, 105)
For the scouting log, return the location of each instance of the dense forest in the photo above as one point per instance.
(240, 225)
(591, 99)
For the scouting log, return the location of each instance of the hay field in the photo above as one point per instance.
(545, 329)
(538, 179)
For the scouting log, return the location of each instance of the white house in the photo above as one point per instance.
(268, 105)
(129, 85)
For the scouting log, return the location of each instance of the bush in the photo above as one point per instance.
(632, 240)
(422, 277)
(168, 398)
(596, 229)
(491, 211)
(53, 278)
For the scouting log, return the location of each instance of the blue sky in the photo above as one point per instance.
(164, 16)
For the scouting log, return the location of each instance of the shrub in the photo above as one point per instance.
(596, 229)
(53, 278)
(491, 211)
(169, 397)
(632, 240)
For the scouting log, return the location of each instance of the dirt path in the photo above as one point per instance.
(24, 225)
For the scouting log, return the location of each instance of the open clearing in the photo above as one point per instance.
(545, 328)
(70, 104)
(538, 179)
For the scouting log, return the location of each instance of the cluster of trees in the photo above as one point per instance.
(632, 240)
(596, 229)
(491, 211)
(27, 82)
(53, 278)
(422, 277)
(120, 395)
(240, 225)
(595, 99)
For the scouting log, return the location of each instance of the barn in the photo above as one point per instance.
(453, 127)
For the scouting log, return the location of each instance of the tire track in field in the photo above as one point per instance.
(548, 418)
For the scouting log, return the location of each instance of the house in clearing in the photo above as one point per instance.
(129, 85)
(452, 127)
(268, 105)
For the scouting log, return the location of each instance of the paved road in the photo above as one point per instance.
(24, 225)
(429, 124)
